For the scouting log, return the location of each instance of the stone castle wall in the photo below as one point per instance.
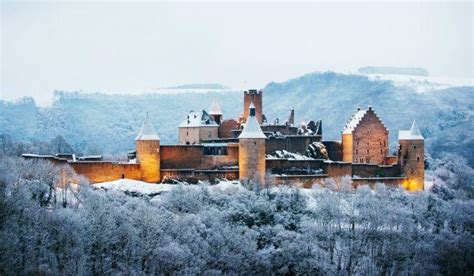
(296, 144)
(192, 157)
(226, 127)
(181, 156)
(334, 149)
(279, 166)
(372, 181)
(193, 176)
(374, 170)
(107, 171)
(188, 135)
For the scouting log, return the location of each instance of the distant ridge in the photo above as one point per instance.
(388, 70)
(199, 86)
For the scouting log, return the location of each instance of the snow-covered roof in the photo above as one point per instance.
(354, 121)
(215, 108)
(252, 128)
(198, 119)
(147, 132)
(412, 134)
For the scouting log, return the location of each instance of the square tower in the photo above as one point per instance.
(255, 97)
(365, 138)
(411, 157)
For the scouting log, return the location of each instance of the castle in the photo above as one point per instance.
(252, 150)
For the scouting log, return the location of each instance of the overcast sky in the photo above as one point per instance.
(136, 47)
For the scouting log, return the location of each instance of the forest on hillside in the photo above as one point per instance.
(107, 124)
(197, 229)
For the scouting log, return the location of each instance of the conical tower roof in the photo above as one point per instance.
(215, 108)
(147, 132)
(414, 130)
(412, 134)
(252, 128)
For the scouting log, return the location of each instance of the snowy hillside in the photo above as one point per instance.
(99, 123)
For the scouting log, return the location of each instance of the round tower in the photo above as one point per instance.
(252, 151)
(411, 157)
(148, 152)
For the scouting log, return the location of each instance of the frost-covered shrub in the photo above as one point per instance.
(197, 229)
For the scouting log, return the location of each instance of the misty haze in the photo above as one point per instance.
(236, 138)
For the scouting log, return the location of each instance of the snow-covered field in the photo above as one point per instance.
(144, 188)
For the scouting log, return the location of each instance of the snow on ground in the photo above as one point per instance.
(145, 188)
(227, 186)
(135, 186)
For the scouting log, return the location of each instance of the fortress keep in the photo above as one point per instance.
(254, 151)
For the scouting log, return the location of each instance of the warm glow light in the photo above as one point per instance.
(412, 185)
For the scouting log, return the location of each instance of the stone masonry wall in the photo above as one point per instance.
(107, 171)
(370, 140)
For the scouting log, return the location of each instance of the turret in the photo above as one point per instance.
(411, 157)
(148, 152)
(216, 112)
(255, 97)
(291, 119)
(252, 151)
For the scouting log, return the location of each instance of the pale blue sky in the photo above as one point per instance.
(136, 47)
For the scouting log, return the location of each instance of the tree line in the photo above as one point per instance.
(47, 229)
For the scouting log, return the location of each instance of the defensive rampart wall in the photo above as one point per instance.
(107, 171)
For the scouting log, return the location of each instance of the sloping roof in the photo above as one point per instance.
(252, 128)
(198, 119)
(147, 132)
(215, 108)
(354, 121)
(412, 134)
